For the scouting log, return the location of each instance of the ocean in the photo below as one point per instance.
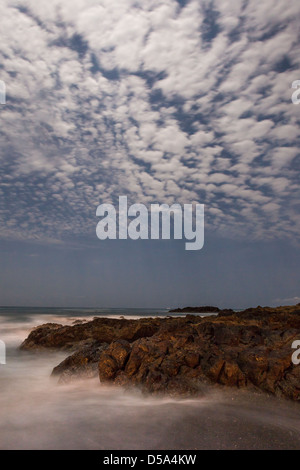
(38, 413)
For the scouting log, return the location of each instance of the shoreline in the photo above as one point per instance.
(179, 355)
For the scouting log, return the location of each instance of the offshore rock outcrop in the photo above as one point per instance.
(207, 309)
(179, 355)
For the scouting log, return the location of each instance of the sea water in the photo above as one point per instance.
(38, 413)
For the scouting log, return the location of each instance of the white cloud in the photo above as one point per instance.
(128, 97)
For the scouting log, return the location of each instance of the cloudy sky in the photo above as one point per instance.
(163, 101)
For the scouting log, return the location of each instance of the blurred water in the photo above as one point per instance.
(37, 413)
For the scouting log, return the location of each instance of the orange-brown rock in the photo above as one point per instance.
(178, 355)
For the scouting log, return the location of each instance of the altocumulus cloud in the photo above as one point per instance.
(160, 100)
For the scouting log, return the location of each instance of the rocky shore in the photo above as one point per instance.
(180, 355)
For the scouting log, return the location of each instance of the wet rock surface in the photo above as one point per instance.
(179, 356)
(81, 364)
(103, 330)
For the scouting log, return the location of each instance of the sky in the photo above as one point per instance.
(163, 101)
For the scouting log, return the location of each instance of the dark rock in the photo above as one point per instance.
(103, 330)
(246, 349)
(225, 312)
(206, 309)
(171, 355)
(81, 364)
(113, 359)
